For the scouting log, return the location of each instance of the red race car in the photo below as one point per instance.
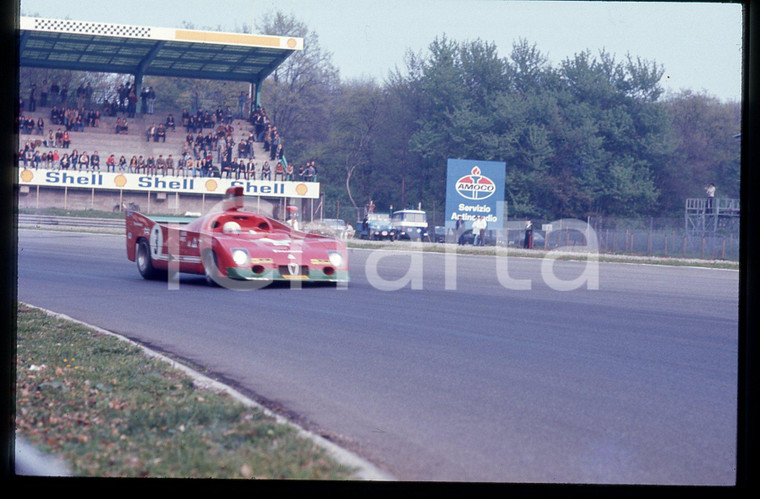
(233, 246)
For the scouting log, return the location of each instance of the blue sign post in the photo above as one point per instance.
(475, 189)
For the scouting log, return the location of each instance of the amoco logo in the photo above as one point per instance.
(475, 185)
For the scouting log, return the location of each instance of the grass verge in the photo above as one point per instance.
(108, 410)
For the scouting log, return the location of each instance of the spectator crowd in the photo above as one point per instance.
(209, 148)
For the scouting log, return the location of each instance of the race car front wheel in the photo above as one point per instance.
(144, 262)
(210, 267)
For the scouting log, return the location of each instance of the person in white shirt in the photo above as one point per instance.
(293, 222)
(710, 190)
(479, 230)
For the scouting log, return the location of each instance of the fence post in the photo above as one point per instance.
(684, 245)
(607, 241)
(703, 246)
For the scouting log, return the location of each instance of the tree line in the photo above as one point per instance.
(591, 136)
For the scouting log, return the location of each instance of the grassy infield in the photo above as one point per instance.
(108, 410)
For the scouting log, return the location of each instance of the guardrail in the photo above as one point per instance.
(51, 220)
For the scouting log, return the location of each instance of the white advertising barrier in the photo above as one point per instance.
(165, 183)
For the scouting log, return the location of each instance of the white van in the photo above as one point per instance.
(410, 224)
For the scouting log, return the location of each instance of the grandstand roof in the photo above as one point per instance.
(121, 48)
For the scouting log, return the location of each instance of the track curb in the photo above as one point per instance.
(366, 470)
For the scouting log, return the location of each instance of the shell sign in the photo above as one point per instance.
(27, 175)
(165, 183)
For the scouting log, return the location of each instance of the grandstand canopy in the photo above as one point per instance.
(150, 51)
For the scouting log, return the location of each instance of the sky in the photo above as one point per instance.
(699, 45)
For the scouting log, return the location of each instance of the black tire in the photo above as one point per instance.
(210, 265)
(144, 261)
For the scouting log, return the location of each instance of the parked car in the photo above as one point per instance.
(439, 234)
(516, 238)
(376, 230)
(410, 224)
(334, 227)
(469, 238)
(338, 226)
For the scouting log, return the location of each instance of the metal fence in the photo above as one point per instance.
(666, 237)
(656, 237)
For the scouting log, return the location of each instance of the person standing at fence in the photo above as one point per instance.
(459, 230)
(476, 231)
(528, 243)
(710, 190)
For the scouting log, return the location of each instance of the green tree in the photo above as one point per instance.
(298, 94)
(706, 148)
(354, 122)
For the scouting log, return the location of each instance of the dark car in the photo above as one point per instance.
(439, 234)
(469, 238)
(516, 238)
(376, 230)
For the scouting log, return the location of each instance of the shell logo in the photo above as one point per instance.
(301, 189)
(211, 185)
(27, 176)
(291, 43)
(120, 180)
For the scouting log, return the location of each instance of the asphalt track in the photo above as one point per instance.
(633, 383)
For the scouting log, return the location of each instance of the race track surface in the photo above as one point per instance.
(633, 383)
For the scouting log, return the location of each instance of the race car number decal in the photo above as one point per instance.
(156, 241)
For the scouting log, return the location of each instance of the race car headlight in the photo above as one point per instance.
(336, 258)
(240, 257)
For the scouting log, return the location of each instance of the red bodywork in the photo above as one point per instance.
(275, 251)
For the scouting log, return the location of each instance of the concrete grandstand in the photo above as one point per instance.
(146, 51)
